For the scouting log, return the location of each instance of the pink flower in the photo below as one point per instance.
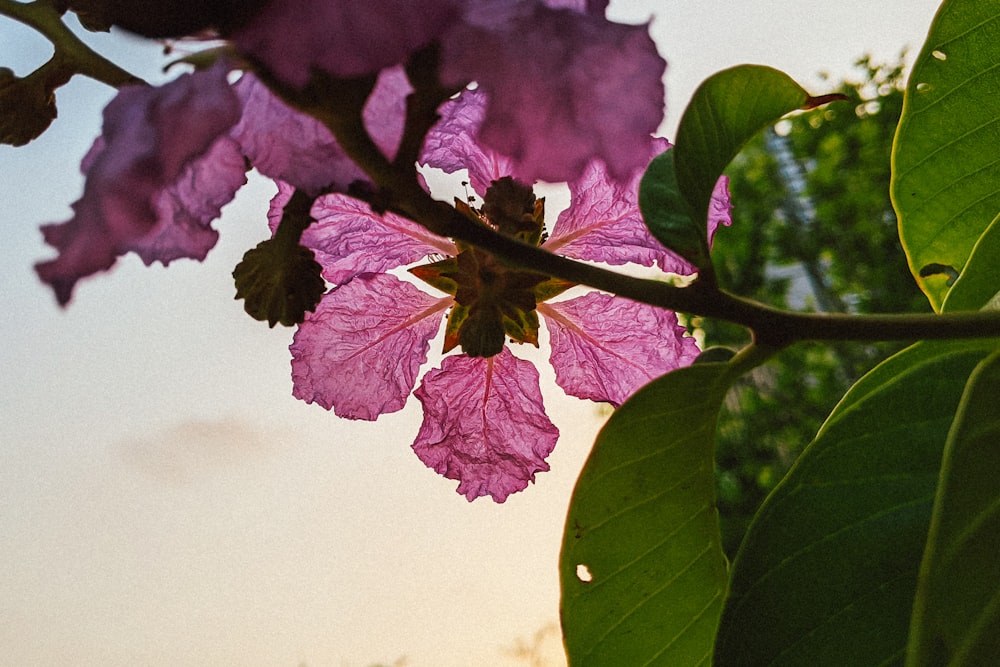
(563, 88)
(140, 193)
(565, 84)
(170, 157)
(484, 422)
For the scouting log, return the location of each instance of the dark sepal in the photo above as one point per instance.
(279, 284)
(28, 105)
(280, 280)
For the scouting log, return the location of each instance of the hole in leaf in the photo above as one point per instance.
(940, 55)
(940, 269)
(583, 573)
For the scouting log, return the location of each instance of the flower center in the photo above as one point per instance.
(493, 300)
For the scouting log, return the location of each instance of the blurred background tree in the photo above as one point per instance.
(813, 229)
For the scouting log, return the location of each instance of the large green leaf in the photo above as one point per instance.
(642, 568)
(979, 282)
(946, 158)
(956, 615)
(828, 570)
(725, 112)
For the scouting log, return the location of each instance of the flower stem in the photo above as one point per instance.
(46, 17)
(772, 328)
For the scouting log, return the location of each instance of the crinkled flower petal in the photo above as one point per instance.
(603, 223)
(484, 424)
(150, 137)
(349, 239)
(604, 347)
(187, 208)
(385, 111)
(452, 143)
(563, 88)
(288, 145)
(285, 144)
(345, 38)
(720, 208)
(360, 351)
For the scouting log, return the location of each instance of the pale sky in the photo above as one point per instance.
(165, 500)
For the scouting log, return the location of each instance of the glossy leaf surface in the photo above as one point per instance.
(978, 283)
(667, 213)
(946, 175)
(642, 569)
(956, 616)
(726, 111)
(828, 570)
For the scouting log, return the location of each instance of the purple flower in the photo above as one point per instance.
(156, 178)
(345, 38)
(565, 84)
(563, 88)
(484, 423)
(171, 157)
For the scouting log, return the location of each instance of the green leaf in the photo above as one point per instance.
(668, 215)
(978, 284)
(956, 615)
(642, 569)
(946, 175)
(828, 570)
(725, 112)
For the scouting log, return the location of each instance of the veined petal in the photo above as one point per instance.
(384, 114)
(285, 144)
(360, 351)
(349, 239)
(603, 223)
(484, 424)
(288, 145)
(452, 143)
(604, 347)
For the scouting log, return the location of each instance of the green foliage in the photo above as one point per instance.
(976, 287)
(642, 569)
(667, 213)
(837, 224)
(945, 183)
(726, 110)
(869, 551)
(812, 203)
(956, 615)
(828, 569)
